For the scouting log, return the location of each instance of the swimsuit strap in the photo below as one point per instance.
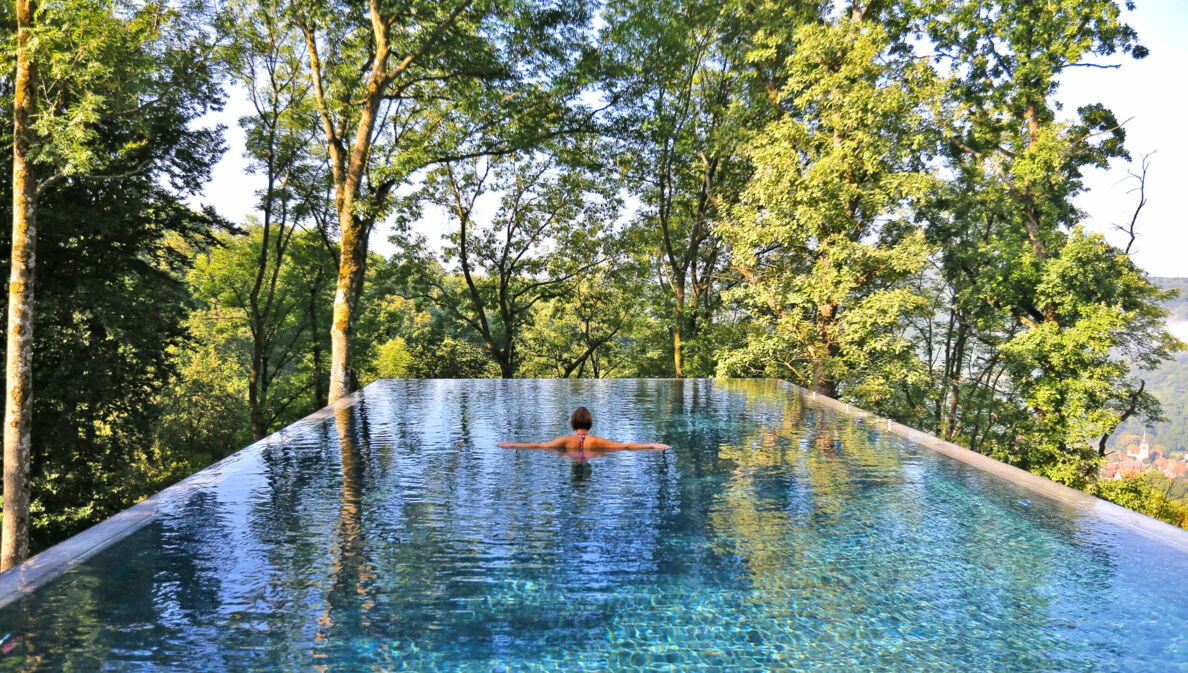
(582, 444)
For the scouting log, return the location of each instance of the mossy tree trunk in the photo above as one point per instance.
(18, 409)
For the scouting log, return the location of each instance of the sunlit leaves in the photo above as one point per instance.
(816, 235)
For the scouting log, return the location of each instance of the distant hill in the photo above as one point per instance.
(1177, 322)
(1169, 383)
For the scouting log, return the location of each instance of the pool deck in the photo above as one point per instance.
(49, 564)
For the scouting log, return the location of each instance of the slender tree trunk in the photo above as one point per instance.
(319, 390)
(257, 390)
(953, 381)
(678, 363)
(18, 410)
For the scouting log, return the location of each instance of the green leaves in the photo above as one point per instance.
(101, 66)
(816, 235)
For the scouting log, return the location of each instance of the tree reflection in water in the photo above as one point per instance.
(351, 595)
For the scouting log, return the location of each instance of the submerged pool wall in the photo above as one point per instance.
(49, 564)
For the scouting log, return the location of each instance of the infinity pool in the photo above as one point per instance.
(776, 534)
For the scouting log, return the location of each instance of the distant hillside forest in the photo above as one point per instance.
(876, 200)
(1168, 383)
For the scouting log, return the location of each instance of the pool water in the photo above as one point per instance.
(775, 535)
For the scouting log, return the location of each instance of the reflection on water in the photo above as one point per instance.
(775, 535)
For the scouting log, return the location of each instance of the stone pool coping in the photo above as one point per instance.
(1078, 500)
(49, 564)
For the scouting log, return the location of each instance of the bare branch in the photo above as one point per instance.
(1141, 176)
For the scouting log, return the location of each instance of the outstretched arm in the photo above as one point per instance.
(633, 446)
(654, 446)
(551, 444)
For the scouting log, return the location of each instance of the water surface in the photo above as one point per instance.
(775, 535)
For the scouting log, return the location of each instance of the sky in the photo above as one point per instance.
(1148, 95)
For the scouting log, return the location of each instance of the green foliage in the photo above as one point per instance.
(120, 85)
(299, 319)
(394, 360)
(1142, 494)
(208, 384)
(115, 78)
(816, 236)
(399, 339)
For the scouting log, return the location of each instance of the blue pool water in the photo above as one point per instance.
(775, 535)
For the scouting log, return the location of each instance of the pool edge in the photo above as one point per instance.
(1141, 523)
(48, 565)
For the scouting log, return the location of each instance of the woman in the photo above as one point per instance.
(582, 446)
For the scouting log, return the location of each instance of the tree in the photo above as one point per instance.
(818, 235)
(401, 87)
(583, 331)
(279, 135)
(95, 84)
(18, 411)
(1038, 315)
(680, 127)
(280, 345)
(546, 231)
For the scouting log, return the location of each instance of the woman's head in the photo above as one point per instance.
(581, 419)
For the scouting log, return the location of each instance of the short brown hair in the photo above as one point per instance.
(581, 419)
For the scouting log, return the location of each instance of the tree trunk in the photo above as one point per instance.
(257, 389)
(319, 391)
(823, 384)
(677, 363)
(18, 410)
(346, 299)
(347, 169)
(823, 354)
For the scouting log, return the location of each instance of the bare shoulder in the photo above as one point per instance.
(603, 443)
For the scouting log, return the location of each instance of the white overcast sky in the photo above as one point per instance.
(1149, 95)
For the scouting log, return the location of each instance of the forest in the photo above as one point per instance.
(872, 199)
